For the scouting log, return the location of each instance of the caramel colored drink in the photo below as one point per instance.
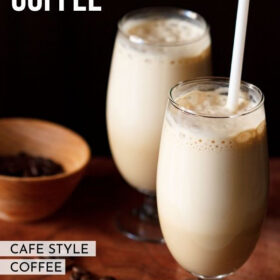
(212, 176)
(154, 49)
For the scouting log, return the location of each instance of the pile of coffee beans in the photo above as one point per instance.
(25, 165)
(78, 273)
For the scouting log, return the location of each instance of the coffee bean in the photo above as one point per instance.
(79, 270)
(75, 277)
(24, 165)
(86, 277)
(69, 263)
(79, 273)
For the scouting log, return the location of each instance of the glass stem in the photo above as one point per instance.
(148, 210)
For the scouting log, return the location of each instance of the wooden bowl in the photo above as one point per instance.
(29, 199)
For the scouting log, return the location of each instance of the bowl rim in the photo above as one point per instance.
(51, 177)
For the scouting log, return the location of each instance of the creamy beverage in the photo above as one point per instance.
(154, 49)
(212, 177)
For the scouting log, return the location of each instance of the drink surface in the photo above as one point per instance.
(212, 182)
(143, 70)
(157, 31)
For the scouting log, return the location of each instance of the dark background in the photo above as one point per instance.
(55, 65)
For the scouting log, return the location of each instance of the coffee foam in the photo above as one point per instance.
(158, 31)
(213, 103)
(170, 37)
(215, 134)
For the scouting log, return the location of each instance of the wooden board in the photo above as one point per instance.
(90, 215)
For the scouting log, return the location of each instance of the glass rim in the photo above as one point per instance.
(215, 79)
(180, 11)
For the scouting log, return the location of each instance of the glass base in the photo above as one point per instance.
(141, 224)
(202, 277)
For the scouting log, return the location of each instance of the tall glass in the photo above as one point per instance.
(154, 49)
(212, 176)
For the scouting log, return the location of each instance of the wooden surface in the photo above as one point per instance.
(90, 214)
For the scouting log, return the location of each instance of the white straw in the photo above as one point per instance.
(238, 54)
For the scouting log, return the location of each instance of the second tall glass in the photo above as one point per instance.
(212, 178)
(155, 48)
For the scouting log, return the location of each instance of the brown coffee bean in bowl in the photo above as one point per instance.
(25, 165)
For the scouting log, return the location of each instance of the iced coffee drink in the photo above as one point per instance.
(212, 176)
(155, 48)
